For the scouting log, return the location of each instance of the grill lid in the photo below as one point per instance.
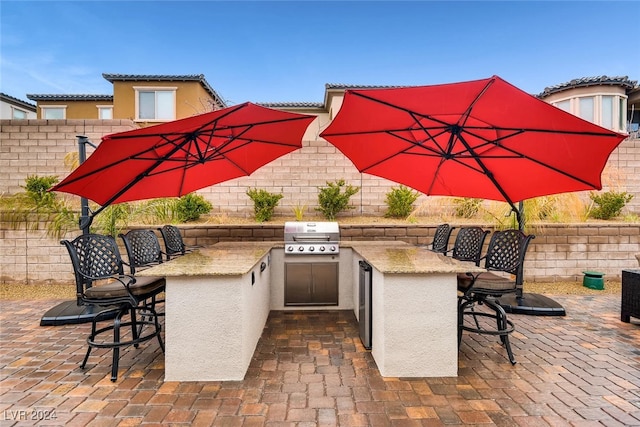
(311, 237)
(311, 230)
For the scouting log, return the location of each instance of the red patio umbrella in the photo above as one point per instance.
(482, 139)
(176, 158)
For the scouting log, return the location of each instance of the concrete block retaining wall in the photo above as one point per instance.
(38, 147)
(559, 251)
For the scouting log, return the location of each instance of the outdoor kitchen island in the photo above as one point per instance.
(218, 301)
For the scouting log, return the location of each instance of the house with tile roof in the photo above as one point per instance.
(145, 99)
(16, 109)
(611, 102)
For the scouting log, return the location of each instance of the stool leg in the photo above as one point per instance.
(503, 325)
(116, 350)
(89, 347)
(136, 330)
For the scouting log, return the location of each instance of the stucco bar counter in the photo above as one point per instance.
(216, 306)
(218, 300)
(414, 309)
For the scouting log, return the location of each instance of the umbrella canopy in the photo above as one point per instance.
(482, 139)
(176, 158)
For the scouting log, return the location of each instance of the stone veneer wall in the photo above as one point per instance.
(559, 252)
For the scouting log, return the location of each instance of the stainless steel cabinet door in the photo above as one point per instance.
(311, 284)
(298, 283)
(325, 284)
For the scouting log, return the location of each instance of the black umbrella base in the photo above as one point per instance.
(531, 304)
(70, 313)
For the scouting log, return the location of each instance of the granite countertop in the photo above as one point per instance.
(238, 258)
(221, 259)
(399, 257)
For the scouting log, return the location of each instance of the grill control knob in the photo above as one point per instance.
(301, 248)
(311, 248)
(290, 248)
(322, 248)
(332, 248)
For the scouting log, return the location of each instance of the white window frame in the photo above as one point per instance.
(619, 109)
(594, 108)
(102, 108)
(44, 108)
(13, 113)
(569, 109)
(610, 121)
(139, 89)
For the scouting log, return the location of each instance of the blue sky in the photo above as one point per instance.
(287, 51)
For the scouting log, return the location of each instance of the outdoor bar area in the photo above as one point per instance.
(218, 300)
(409, 301)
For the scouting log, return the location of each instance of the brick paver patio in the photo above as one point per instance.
(310, 369)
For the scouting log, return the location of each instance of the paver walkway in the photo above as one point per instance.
(310, 369)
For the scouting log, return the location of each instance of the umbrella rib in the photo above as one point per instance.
(394, 106)
(140, 176)
(431, 137)
(446, 156)
(517, 154)
(136, 156)
(553, 168)
(486, 171)
(465, 116)
(555, 132)
(414, 144)
(223, 154)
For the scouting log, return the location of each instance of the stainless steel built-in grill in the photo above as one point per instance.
(311, 253)
(321, 238)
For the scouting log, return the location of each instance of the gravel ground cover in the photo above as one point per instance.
(49, 291)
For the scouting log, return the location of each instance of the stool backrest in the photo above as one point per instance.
(94, 257)
(506, 252)
(468, 244)
(143, 249)
(173, 243)
(441, 237)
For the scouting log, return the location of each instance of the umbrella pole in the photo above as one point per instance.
(69, 312)
(528, 304)
(85, 218)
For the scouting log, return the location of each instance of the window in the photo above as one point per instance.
(564, 105)
(586, 108)
(155, 104)
(105, 112)
(54, 113)
(18, 114)
(606, 109)
(607, 112)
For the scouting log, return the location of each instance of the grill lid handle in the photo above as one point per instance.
(309, 238)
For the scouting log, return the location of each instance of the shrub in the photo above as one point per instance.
(609, 204)
(264, 203)
(37, 189)
(298, 211)
(112, 220)
(400, 202)
(466, 207)
(190, 206)
(333, 201)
